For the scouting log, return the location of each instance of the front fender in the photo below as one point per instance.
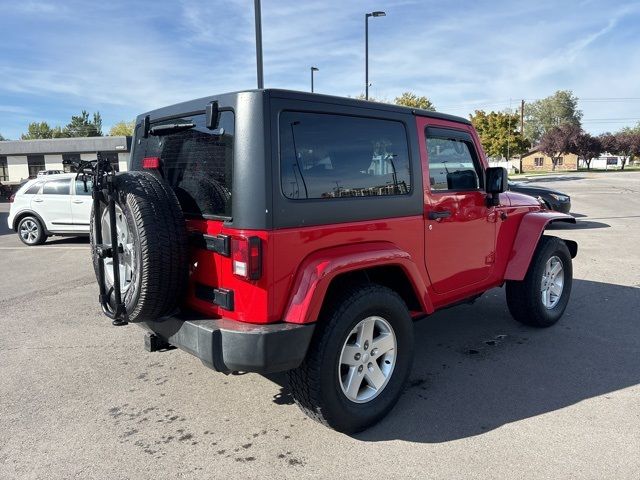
(318, 270)
(531, 228)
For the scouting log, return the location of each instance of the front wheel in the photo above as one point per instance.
(31, 231)
(539, 300)
(359, 360)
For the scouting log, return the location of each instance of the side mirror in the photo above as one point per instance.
(495, 184)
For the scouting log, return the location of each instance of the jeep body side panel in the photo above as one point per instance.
(530, 230)
(318, 270)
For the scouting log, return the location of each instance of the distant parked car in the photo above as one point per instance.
(53, 205)
(552, 199)
(49, 172)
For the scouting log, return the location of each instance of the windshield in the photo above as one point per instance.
(196, 162)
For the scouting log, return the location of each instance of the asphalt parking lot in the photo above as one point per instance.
(488, 398)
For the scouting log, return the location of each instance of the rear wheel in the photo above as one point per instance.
(358, 362)
(542, 296)
(31, 231)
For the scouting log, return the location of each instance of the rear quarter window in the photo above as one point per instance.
(32, 189)
(334, 156)
(56, 187)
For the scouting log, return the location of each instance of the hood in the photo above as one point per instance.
(531, 190)
(522, 200)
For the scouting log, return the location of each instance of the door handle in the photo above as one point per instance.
(39, 200)
(78, 201)
(433, 215)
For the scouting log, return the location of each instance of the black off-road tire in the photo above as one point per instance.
(315, 385)
(158, 230)
(524, 298)
(40, 234)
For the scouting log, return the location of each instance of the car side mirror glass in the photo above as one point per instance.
(496, 180)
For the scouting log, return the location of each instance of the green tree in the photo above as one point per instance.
(2, 139)
(122, 128)
(543, 115)
(81, 126)
(37, 130)
(409, 99)
(371, 99)
(499, 133)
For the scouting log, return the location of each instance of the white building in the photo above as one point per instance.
(22, 159)
(606, 161)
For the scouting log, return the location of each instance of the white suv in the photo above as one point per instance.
(51, 205)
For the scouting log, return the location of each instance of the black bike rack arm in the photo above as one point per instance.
(103, 175)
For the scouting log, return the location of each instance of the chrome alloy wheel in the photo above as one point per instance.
(29, 231)
(552, 282)
(367, 359)
(127, 258)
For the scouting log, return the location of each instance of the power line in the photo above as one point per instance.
(496, 102)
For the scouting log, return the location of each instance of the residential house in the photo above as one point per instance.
(536, 161)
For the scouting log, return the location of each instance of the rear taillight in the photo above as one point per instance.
(151, 163)
(12, 198)
(246, 255)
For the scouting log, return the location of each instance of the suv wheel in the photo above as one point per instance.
(31, 231)
(358, 362)
(541, 298)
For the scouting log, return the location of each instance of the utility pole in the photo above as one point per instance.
(366, 49)
(521, 127)
(258, 16)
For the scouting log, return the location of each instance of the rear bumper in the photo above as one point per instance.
(227, 345)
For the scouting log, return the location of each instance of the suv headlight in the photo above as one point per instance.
(560, 198)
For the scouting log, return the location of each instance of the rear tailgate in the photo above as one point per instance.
(198, 164)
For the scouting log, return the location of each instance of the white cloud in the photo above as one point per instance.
(124, 59)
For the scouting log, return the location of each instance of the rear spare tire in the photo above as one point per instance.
(152, 237)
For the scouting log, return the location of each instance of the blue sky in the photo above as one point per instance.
(126, 57)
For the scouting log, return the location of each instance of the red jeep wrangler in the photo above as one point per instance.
(272, 230)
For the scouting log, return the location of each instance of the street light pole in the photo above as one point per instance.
(313, 69)
(258, 17)
(366, 49)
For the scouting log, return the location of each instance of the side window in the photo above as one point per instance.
(33, 189)
(453, 162)
(331, 156)
(80, 187)
(57, 187)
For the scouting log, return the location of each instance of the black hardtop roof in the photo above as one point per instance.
(195, 105)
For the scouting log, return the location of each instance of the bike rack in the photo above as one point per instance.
(103, 188)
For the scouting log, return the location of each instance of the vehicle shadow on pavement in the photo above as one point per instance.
(4, 228)
(476, 369)
(553, 178)
(81, 240)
